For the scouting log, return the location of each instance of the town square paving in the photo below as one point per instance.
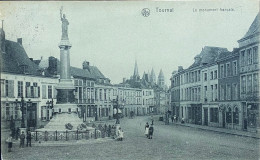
(169, 142)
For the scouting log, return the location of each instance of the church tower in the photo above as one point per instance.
(136, 74)
(153, 77)
(161, 80)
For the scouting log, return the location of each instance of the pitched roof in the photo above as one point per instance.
(92, 72)
(15, 57)
(254, 28)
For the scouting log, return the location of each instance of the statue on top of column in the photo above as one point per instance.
(64, 25)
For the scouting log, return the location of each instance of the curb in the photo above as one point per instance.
(242, 135)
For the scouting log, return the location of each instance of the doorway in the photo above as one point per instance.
(206, 121)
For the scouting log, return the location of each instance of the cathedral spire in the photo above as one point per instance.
(136, 74)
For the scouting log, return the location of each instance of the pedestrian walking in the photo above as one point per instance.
(28, 139)
(151, 132)
(146, 129)
(22, 137)
(9, 142)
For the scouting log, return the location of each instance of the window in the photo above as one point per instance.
(216, 92)
(236, 116)
(44, 91)
(92, 94)
(20, 89)
(27, 90)
(214, 115)
(88, 93)
(6, 88)
(205, 93)
(255, 54)
(205, 77)
(222, 71)
(100, 94)
(212, 92)
(198, 75)
(96, 95)
(243, 84)
(215, 74)
(211, 75)
(227, 69)
(49, 92)
(105, 94)
(235, 92)
(222, 92)
(80, 93)
(39, 91)
(243, 59)
(228, 92)
(255, 83)
(249, 83)
(249, 56)
(234, 69)
(9, 88)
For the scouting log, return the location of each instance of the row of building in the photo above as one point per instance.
(221, 88)
(33, 83)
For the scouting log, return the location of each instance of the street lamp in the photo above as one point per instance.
(22, 109)
(117, 115)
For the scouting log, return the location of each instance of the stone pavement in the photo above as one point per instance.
(220, 130)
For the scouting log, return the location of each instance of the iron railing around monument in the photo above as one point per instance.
(65, 135)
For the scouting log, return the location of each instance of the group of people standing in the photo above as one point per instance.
(149, 130)
(22, 140)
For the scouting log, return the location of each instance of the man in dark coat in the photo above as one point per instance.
(151, 132)
(22, 137)
(28, 139)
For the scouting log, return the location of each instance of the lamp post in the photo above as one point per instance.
(117, 115)
(48, 106)
(22, 109)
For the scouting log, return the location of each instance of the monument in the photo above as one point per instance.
(65, 110)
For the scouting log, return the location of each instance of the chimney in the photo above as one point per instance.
(20, 41)
(85, 65)
(123, 80)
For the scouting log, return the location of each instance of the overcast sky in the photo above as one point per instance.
(112, 35)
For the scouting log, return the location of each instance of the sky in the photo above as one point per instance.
(112, 35)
